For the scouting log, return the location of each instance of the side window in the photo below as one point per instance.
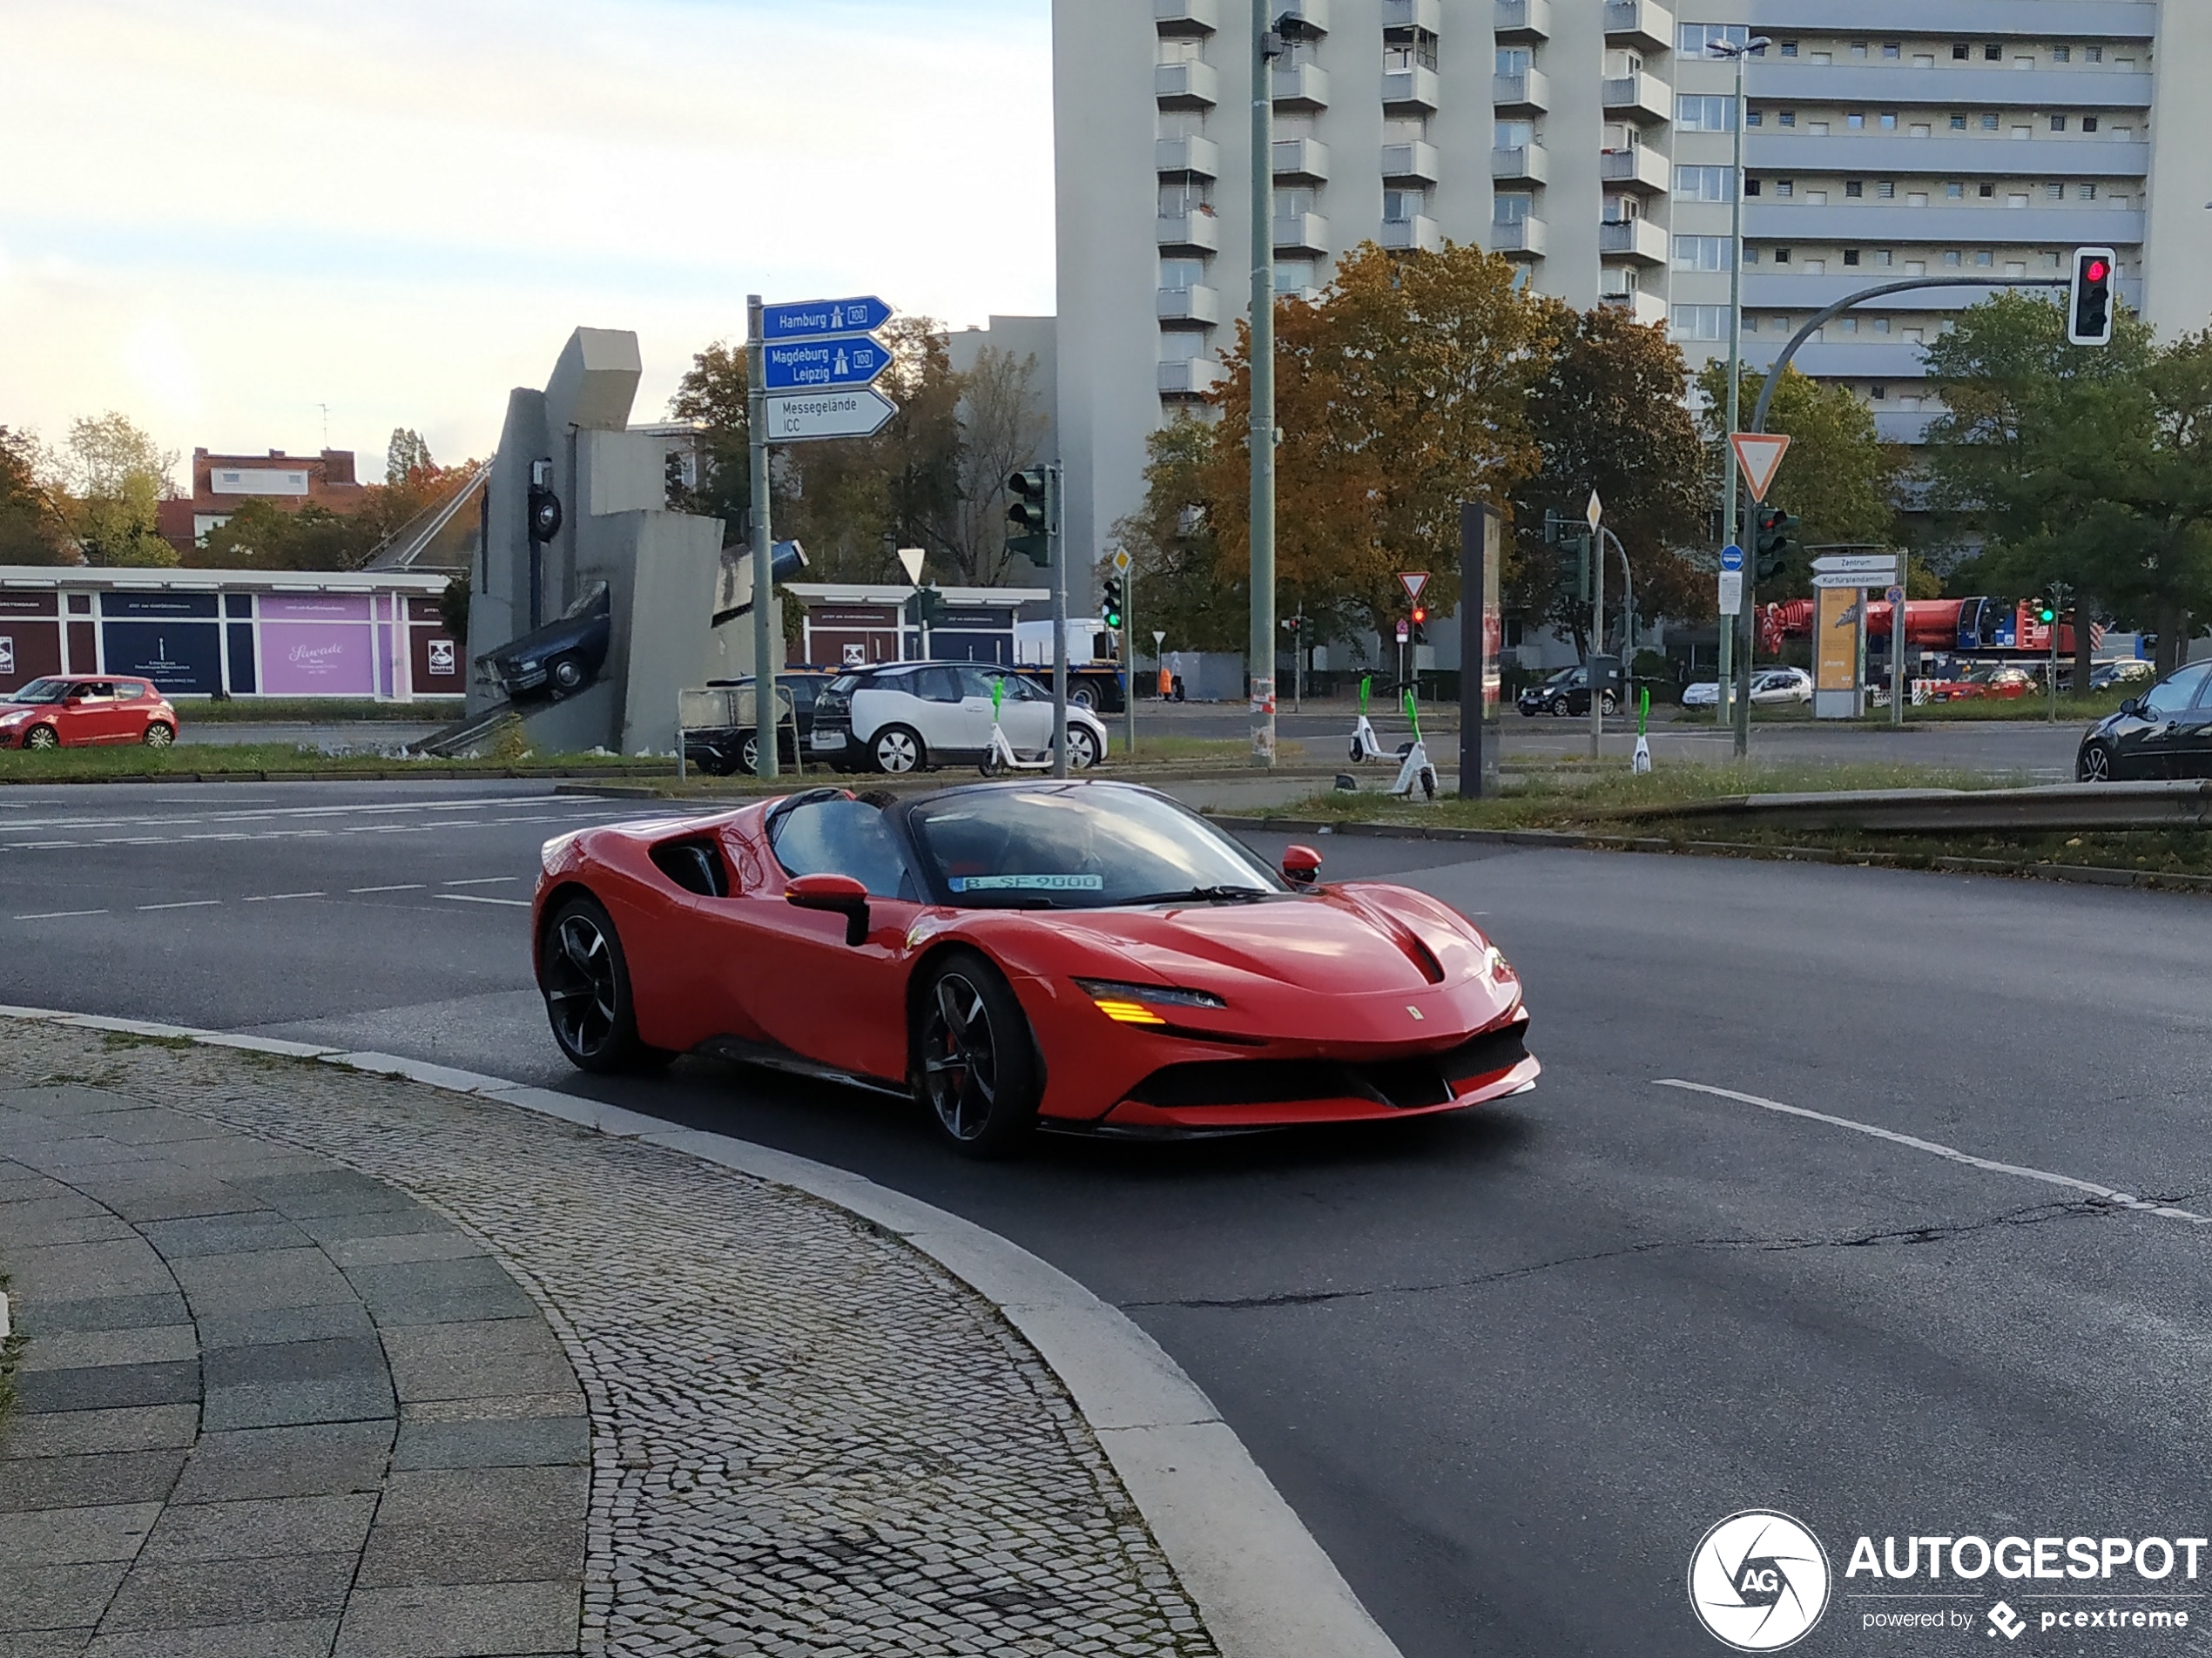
(1019, 690)
(936, 684)
(843, 837)
(126, 691)
(2171, 699)
(974, 682)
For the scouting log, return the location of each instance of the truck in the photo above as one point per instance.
(1095, 677)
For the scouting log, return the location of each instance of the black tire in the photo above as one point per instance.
(160, 734)
(714, 762)
(749, 755)
(1083, 748)
(2094, 765)
(42, 736)
(585, 979)
(897, 751)
(565, 673)
(1609, 703)
(975, 1067)
(1557, 707)
(1082, 697)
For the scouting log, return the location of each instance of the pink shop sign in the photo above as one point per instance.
(309, 659)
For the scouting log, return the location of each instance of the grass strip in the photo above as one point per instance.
(317, 710)
(255, 760)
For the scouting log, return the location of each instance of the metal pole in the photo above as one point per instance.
(1731, 518)
(1900, 687)
(1298, 661)
(1057, 542)
(1129, 655)
(763, 547)
(1597, 641)
(1263, 378)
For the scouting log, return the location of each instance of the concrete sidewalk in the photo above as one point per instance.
(320, 1363)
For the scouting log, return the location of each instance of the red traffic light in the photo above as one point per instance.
(1421, 613)
(2098, 270)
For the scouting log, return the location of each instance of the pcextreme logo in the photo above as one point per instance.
(1758, 1581)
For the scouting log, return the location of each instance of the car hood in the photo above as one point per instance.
(1359, 938)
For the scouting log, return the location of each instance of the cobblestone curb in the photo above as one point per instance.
(1263, 1587)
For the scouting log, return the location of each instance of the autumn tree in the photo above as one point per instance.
(1839, 478)
(1609, 412)
(32, 526)
(117, 476)
(712, 395)
(1401, 392)
(1186, 593)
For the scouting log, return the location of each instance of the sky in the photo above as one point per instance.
(218, 217)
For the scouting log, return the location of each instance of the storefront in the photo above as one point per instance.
(200, 633)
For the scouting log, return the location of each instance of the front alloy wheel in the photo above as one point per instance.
(159, 735)
(2094, 765)
(42, 736)
(976, 1068)
(587, 992)
(897, 751)
(1083, 748)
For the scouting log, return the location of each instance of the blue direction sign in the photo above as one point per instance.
(1731, 557)
(811, 365)
(819, 319)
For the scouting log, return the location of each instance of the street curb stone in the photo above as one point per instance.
(1264, 1585)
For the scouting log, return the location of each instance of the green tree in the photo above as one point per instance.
(712, 393)
(32, 528)
(262, 536)
(1839, 478)
(1609, 414)
(405, 454)
(1185, 592)
(118, 476)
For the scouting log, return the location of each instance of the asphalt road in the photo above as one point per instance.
(1508, 1368)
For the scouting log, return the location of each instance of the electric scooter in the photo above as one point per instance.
(1417, 768)
(1364, 744)
(1000, 755)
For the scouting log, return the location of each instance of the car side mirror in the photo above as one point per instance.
(1301, 866)
(837, 895)
(2133, 708)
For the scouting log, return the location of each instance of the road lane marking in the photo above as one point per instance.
(405, 887)
(2089, 1188)
(189, 904)
(279, 898)
(59, 915)
(486, 881)
(473, 898)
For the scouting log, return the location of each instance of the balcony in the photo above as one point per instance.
(1410, 164)
(1302, 160)
(1632, 239)
(1527, 164)
(1765, 149)
(1190, 377)
(1647, 308)
(1641, 23)
(1191, 305)
(1200, 157)
(1301, 86)
(1427, 16)
(1193, 86)
(1314, 11)
(1854, 358)
(1766, 291)
(1905, 425)
(1970, 19)
(1852, 85)
(1416, 88)
(2089, 224)
(1638, 167)
(1523, 238)
(1301, 233)
(1524, 20)
(1635, 98)
(1526, 93)
(1419, 234)
(1190, 234)
(1186, 17)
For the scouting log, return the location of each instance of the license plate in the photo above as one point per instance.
(829, 739)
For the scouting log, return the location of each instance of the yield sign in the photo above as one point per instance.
(910, 561)
(1415, 581)
(1760, 455)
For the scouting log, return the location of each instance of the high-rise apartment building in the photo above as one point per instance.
(1592, 141)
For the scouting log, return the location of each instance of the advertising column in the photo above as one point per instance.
(1836, 658)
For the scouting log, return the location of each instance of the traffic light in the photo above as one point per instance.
(930, 605)
(2089, 313)
(2046, 612)
(1032, 524)
(1420, 624)
(1772, 546)
(1110, 604)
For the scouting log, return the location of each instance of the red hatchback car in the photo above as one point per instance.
(68, 711)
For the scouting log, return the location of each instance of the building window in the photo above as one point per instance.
(1186, 196)
(1889, 120)
(1958, 124)
(1781, 256)
(1703, 184)
(1700, 322)
(2087, 192)
(1851, 258)
(1854, 190)
(1883, 256)
(2058, 124)
(1954, 259)
(1881, 324)
(1989, 122)
(1754, 117)
(1512, 60)
(1294, 276)
(1788, 49)
(1701, 252)
(1786, 118)
(2054, 192)
(1400, 207)
(1696, 114)
(1785, 188)
(2053, 259)
(1961, 52)
(1988, 192)
(2088, 124)
(1751, 256)
(1893, 48)
(1859, 49)
(1509, 209)
(1993, 54)
(1855, 120)
(1180, 275)
(1955, 191)
(1750, 186)
(1697, 38)
(2062, 54)
(2093, 54)
(1846, 325)
(1886, 191)
(1512, 135)
(1880, 394)
(1984, 259)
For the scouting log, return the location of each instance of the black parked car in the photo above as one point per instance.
(562, 657)
(1567, 692)
(734, 751)
(2165, 732)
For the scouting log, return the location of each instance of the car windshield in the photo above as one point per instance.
(41, 691)
(1080, 846)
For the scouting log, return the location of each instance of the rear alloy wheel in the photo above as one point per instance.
(749, 756)
(160, 734)
(976, 1064)
(41, 736)
(1082, 697)
(586, 983)
(2094, 765)
(1082, 749)
(566, 673)
(1609, 703)
(1559, 707)
(897, 751)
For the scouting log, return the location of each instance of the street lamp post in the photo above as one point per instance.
(1730, 512)
(1267, 45)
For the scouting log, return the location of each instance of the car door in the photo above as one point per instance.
(1025, 712)
(940, 713)
(2151, 745)
(2194, 759)
(834, 1004)
(133, 701)
(89, 715)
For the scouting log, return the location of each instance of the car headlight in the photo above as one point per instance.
(16, 718)
(1132, 1004)
(1501, 970)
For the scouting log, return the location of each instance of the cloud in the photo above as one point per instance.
(226, 214)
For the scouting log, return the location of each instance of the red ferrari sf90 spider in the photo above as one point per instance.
(1080, 956)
